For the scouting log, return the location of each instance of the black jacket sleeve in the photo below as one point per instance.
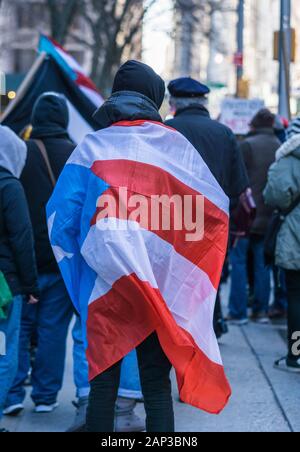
(19, 229)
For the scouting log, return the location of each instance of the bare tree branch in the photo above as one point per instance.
(194, 25)
(113, 25)
(62, 15)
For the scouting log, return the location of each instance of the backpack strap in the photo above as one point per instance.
(44, 153)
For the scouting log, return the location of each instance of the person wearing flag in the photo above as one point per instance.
(215, 142)
(140, 269)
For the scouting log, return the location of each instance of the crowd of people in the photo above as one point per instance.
(261, 170)
(271, 160)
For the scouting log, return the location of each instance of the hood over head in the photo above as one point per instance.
(126, 106)
(13, 152)
(138, 77)
(137, 94)
(290, 147)
(50, 116)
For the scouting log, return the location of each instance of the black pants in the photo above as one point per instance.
(293, 295)
(154, 369)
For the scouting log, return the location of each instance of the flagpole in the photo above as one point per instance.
(285, 59)
(240, 41)
(2, 89)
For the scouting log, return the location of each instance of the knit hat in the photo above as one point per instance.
(13, 152)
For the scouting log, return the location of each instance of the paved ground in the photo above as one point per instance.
(264, 400)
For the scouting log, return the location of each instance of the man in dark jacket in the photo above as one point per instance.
(17, 262)
(259, 151)
(137, 94)
(215, 143)
(51, 318)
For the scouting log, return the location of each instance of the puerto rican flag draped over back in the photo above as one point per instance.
(128, 279)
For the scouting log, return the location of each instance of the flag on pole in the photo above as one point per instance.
(71, 67)
(128, 272)
(56, 70)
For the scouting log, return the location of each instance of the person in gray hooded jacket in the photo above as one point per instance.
(282, 190)
(17, 261)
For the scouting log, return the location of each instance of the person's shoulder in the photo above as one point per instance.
(9, 184)
(281, 172)
(247, 142)
(172, 122)
(224, 133)
(222, 128)
(7, 178)
(69, 145)
(289, 163)
(205, 122)
(63, 142)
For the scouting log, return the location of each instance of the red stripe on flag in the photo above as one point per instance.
(139, 178)
(141, 122)
(133, 309)
(83, 80)
(56, 44)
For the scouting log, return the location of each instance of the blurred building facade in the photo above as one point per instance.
(203, 43)
(212, 43)
(21, 22)
(262, 20)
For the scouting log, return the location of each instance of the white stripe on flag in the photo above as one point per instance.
(173, 154)
(93, 96)
(78, 126)
(70, 61)
(124, 249)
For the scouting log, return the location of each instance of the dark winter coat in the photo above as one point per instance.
(50, 121)
(16, 239)
(126, 106)
(259, 151)
(217, 146)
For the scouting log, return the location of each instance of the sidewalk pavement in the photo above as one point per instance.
(264, 399)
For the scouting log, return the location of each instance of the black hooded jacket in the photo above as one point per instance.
(138, 93)
(140, 78)
(16, 240)
(50, 120)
